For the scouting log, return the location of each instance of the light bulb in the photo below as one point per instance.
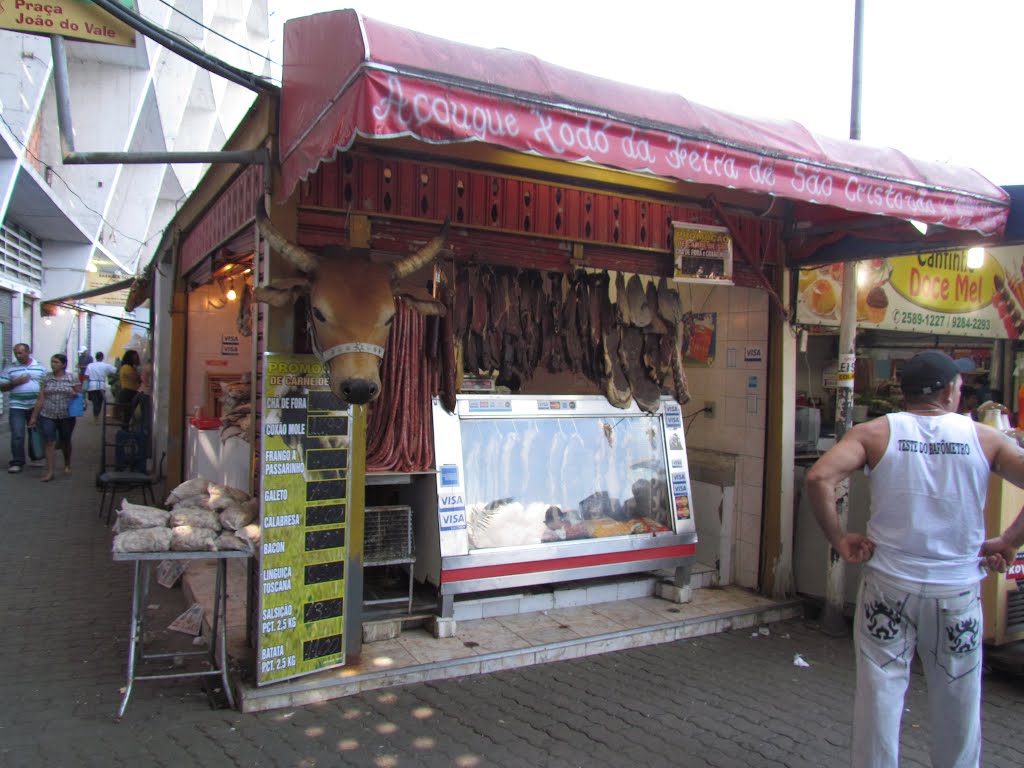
(862, 276)
(975, 258)
(230, 295)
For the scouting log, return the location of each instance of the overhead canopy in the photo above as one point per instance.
(348, 76)
(92, 293)
(48, 307)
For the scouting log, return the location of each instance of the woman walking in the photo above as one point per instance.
(128, 376)
(51, 411)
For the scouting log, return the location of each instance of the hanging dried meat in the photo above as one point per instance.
(619, 331)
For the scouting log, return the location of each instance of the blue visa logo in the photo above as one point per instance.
(454, 520)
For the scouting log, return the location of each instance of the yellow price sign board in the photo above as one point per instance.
(306, 468)
(78, 19)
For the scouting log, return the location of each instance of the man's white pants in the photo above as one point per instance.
(943, 623)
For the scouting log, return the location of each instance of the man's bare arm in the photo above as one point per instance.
(1002, 550)
(846, 457)
(1004, 454)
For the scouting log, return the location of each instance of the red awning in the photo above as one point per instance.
(348, 76)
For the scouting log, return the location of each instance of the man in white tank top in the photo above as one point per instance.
(924, 557)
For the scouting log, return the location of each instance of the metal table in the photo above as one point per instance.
(218, 649)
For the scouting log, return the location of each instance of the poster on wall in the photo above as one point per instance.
(924, 293)
(702, 253)
(698, 337)
(305, 464)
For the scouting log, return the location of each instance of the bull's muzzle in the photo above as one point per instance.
(358, 391)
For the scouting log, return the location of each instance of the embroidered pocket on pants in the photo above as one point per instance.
(958, 645)
(882, 628)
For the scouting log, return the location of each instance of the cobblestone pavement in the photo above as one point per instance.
(734, 699)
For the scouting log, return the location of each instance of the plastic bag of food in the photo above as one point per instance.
(250, 532)
(223, 496)
(239, 515)
(143, 540)
(194, 516)
(231, 540)
(201, 501)
(186, 538)
(131, 516)
(194, 487)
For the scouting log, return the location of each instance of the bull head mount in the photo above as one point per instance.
(351, 304)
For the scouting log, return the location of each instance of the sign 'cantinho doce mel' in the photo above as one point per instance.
(923, 293)
(77, 19)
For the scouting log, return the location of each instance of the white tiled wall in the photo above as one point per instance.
(207, 326)
(738, 388)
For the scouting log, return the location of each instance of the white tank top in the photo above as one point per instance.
(928, 499)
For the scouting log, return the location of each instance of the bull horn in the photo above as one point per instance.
(422, 257)
(304, 261)
(424, 306)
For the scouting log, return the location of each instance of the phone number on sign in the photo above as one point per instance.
(927, 319)
(971, 323)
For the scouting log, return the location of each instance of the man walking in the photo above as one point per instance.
(20, 381)
(97, 374)
(924, 556)
(84, 359)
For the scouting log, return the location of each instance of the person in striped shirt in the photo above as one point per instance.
(20, 382)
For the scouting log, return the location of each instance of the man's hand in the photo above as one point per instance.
(20, 380)
(855, 548)
(997, 553)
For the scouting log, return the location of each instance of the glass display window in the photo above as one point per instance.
(532, 481)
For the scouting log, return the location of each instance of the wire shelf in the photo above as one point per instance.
(388, 535)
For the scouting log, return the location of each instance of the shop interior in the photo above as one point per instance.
(991, 386)
(218, 372)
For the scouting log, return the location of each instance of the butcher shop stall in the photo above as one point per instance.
(482, 327)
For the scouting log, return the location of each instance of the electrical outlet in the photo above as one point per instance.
(709, 408)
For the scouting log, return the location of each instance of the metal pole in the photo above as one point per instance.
(63, 91)
(185, 49)
(833, 621)
(858, 67)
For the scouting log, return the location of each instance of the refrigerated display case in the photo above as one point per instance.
(545, 489)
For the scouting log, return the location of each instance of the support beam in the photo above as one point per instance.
(69, 156)
(742, 250)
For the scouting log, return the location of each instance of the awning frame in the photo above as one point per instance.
(390, 82)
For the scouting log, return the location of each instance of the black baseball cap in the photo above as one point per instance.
(929, 371)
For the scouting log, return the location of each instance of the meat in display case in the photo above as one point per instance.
(547, 489)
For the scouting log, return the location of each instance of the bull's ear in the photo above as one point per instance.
(282, 292)
(424, 306)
